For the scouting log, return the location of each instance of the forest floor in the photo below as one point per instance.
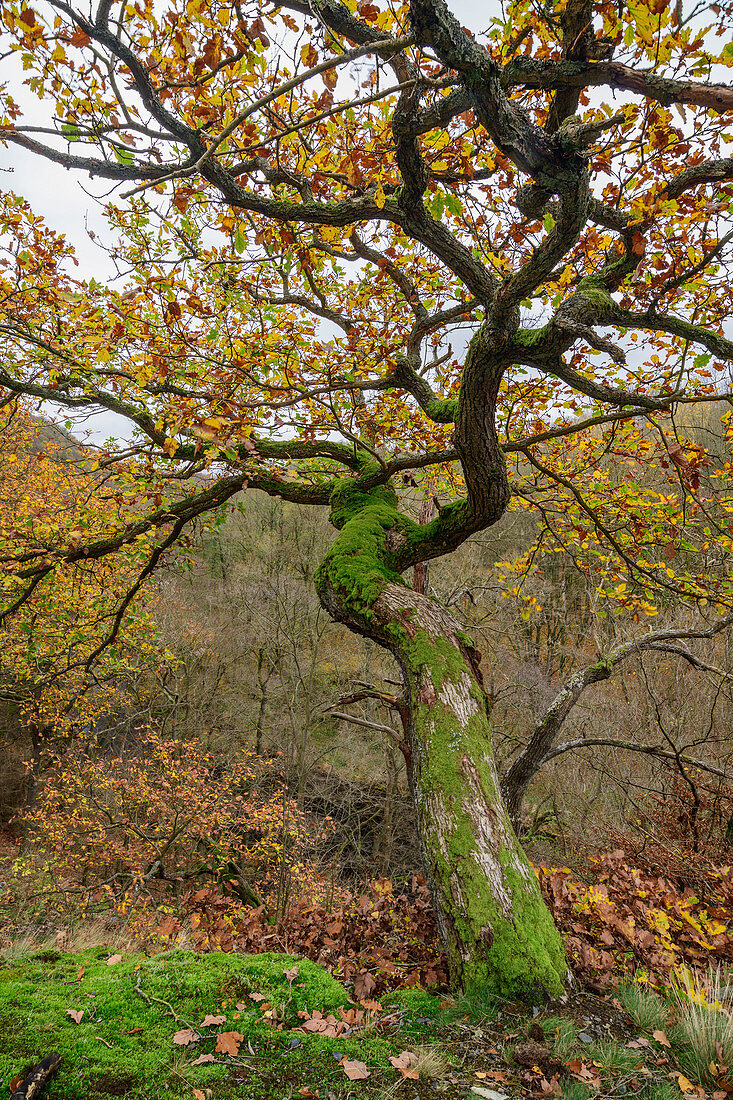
(179, 1024)
(204, 1000)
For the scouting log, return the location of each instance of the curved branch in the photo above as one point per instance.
(539, 749)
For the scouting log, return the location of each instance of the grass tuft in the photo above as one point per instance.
(574, 1090)
(562, 1033)
(704, 1029)
(646, 1008)
(478, 1007)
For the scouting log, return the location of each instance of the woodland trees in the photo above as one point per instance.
(359, 245)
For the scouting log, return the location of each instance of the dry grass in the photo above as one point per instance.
(430, 1062)
(704, 1028)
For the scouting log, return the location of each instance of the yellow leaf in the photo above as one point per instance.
(685, 1085)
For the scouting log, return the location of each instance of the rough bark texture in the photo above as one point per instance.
(497, 931)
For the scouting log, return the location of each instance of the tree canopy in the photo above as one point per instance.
(357, 243)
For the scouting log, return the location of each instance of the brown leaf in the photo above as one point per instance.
(76, 1016)
(199, 1095)
(203, 1058)
(227, 1042)
(291, 974)
(167, 928)
(256, 997)
(364, 985)
(405, 1059)
(212, 1021)
(661, 1038)
(114, 959)
(355, 1071)
(184, 1037)
(638, 244)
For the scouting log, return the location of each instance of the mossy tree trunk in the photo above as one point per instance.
(497, 931)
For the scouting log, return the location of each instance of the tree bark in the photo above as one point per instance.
(498, 934)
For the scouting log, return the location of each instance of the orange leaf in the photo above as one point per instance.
(227, 1042)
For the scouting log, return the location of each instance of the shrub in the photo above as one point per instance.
(138, 826)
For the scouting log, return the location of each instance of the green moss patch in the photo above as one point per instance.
(123, 1044)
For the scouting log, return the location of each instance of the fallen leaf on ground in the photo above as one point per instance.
(403, 1062)
(212, 1021)
(114, 959)
(199, 1095)
(684, 1084)
(364, 984)
(184, 1037)
(488, 1094)
(80, 973)
(661, 1038)
(227, 1042)
(256, 997)
(291, 974)
(330, 1026)
(76, 1016)
(203, 1058)
(355, 1071)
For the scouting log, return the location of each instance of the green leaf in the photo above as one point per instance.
(124, 156)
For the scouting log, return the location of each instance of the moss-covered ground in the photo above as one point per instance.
(124, 1043)
(135, 1007)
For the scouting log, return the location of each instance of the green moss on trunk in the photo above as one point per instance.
(498, 933)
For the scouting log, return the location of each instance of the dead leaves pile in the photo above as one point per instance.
(633, 917)
(350, 941)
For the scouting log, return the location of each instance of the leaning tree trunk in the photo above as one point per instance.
(498, 933)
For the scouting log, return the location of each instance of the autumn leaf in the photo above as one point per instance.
(403, 1062)
(202, 1058)
(199, 1095)
(355, 1071)
(184, 1037)
(684, 1084)
(661, 1038)
(114, 959)
(228, 1042)
(364, 985)
(75, 1016)
(291, 974)
(212, 1021)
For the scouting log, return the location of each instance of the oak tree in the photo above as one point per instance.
(359, 244)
